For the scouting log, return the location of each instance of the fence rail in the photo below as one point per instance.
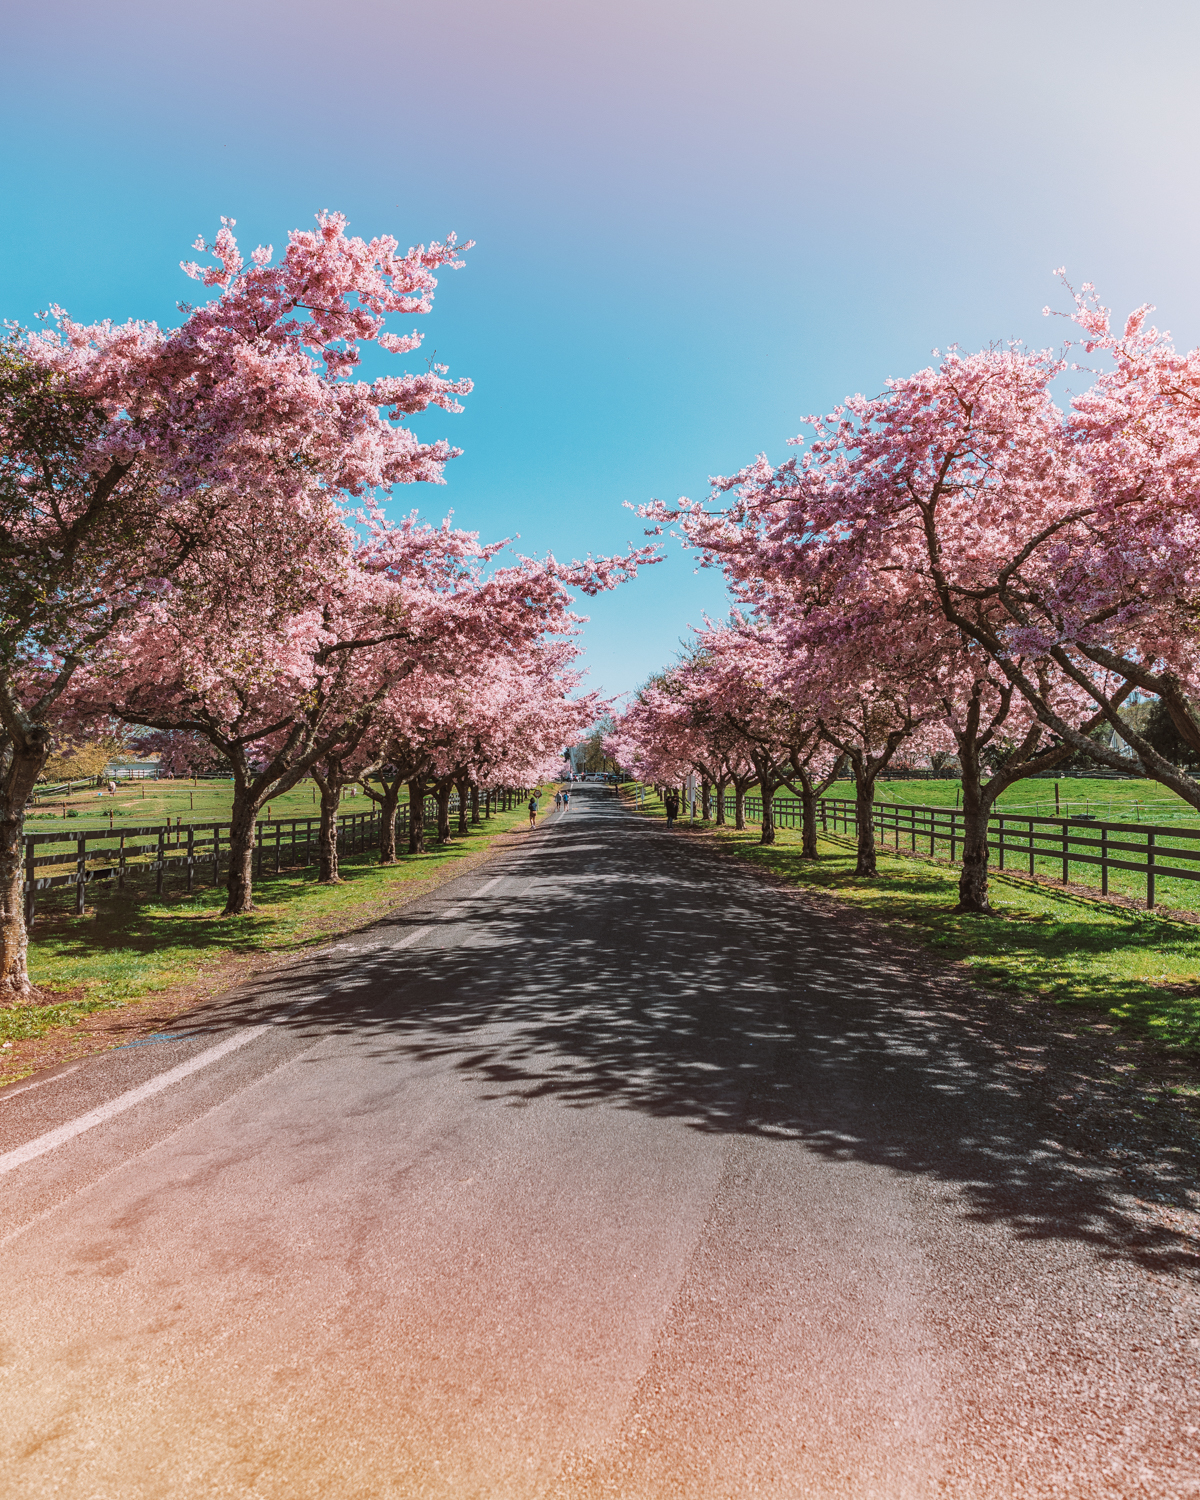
(1033, 844)
(114, 854)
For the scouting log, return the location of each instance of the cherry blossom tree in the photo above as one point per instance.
(894, 543)
(130, 453)
(1103, 587)
(761, 699)
(677, 724)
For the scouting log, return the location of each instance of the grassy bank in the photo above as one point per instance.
(1143, 969)
(131, 945)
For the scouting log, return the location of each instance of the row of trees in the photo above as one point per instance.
(956, 565)
(192, 540)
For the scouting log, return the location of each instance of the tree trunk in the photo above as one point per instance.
(864, 806)
(442, 790)
(706, 801)
(463, 826)
(387, 821)
(416, 816)
(15, 790)
(327, 839)
(474, 802)
(242, 829)
(767, 835)
(973, 882)
(739, 805)
(767, 787)
(722, 788)
(808, 820)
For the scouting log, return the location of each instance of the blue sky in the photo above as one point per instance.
(694, 222)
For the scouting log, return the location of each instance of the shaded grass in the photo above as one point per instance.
(133, 944)
(1141, 968)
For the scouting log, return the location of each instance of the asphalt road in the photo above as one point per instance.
(609, 1172)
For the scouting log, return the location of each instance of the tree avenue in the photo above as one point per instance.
(956, 566)
(193, 540)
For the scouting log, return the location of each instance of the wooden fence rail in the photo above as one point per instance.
(1153, 851)
(115, 854)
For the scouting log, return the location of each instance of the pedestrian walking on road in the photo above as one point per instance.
(557, 801)
(671, 803)
(533, 812)
(566, 801)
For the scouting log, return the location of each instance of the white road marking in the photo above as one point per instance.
(455, 911)
(43, 1143)
(11, 1160)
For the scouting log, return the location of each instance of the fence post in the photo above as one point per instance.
(1066, 858)
(1031, 847)
(216, 854)
(30, 881)
(953, 834)
(121, 866)
(278, 837)
(258, 843)
(191, 857)
(1150, 869)
(158, 874)
(1000, 832)
(1104, 861)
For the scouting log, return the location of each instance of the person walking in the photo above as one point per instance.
(533, 809)
(557, 801)
(671, 803)
(566, 801)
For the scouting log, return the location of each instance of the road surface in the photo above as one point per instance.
(608, 1172)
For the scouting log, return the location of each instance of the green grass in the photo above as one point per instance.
(1141, 968)
(148, 803)
(132, 944)
(1134, 802)
(1112, 801)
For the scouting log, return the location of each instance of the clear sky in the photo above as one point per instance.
(695, 221)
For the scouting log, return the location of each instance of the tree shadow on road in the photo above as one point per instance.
(637, 972)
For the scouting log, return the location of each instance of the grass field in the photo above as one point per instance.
(151, 802)
(130, 944)
(1142, 968)
(1114, 801)
(1134, 802)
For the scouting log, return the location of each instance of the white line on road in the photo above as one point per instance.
(11, 1160)
(455, 911)
(43, 1143)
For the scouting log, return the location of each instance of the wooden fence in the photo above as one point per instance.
(199, 849)
(1024, 842)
